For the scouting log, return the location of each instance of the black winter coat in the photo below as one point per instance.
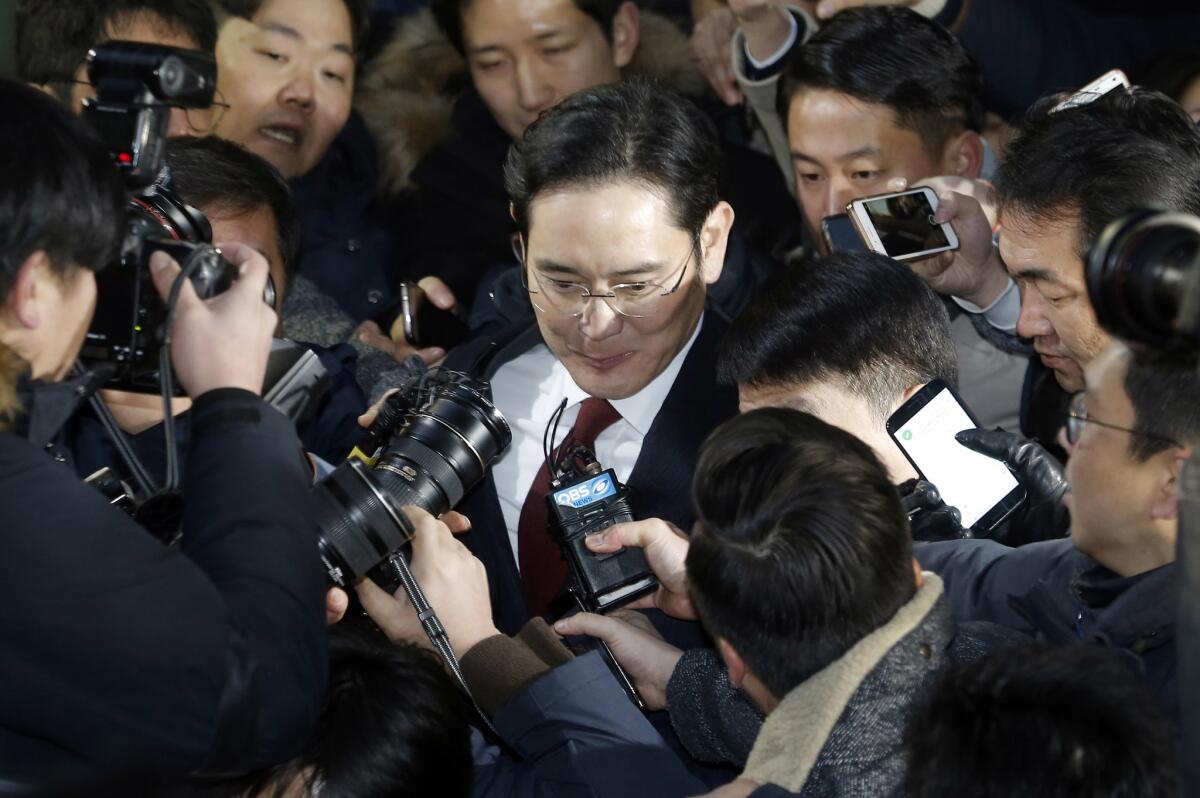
(120, 654)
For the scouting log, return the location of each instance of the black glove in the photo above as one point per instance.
(928, 515)
(1042, 516)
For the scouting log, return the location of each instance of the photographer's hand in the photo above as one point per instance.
(666, 549)
(222, 342)
(1044, 514)
(974, 272)
(454, 582)
(637, 647)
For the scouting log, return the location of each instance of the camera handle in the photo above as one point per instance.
(437, 634)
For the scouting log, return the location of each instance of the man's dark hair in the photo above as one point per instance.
(801, 547)
(1070, 722)
(1163, 388)
(1124, 151)
(60, 192)
(895, 57)
(632, 131)
(360, 14)
(448, 14)
(218, 176)
(855, 316)
(54, 36)
(392, 724)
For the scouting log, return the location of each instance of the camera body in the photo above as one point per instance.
(136, 86)
(584, 500)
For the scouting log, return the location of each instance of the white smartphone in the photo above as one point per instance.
(901, 225)
(1109, 81)
(983, 489)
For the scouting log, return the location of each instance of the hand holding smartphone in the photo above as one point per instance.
(983, 489)
(901, 225)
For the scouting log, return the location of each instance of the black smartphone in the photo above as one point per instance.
(983, 489)
(840, 235)
(425, 324)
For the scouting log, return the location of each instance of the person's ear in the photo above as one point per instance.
(625, 33)
(963, 155)
(733, 662)
(918, 574)
(909, 393)
(1166, 499)
(30, 289)
(714, 239)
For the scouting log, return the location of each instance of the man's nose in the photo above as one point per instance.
(837, 197)
(534, 90)
(298, 93)
(1033, 321)
(599, 320)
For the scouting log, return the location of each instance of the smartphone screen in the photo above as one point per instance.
(840, 235)
(981, 488)
(904, 223)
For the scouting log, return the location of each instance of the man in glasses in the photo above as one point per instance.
(54, 36)
(1130, 430)
(622, 231)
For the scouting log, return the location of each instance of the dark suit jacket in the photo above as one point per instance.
(660, 484)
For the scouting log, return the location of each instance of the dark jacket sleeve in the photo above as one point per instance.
(714, 720)
(121, 653)
(979, 576)
(578, 734)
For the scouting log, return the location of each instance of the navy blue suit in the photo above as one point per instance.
(660, 484)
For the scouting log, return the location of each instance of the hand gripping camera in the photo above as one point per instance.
(136, 86)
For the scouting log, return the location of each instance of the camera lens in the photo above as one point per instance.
(441, 450)
(1138, 273)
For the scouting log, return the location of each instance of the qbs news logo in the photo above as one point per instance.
(584, 493)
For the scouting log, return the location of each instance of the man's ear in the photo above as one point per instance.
(963, 155)
(626, 31)
(918, 574)
(23, 304)
(714, 238)
(909, 393)
(1166, 500)
(733, 662)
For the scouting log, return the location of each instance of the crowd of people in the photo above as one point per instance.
(609, 215)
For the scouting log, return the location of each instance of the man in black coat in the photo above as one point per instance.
(122, 655)
(615, 192)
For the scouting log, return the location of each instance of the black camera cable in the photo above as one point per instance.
(166, 378)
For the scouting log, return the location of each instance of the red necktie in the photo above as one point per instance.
(543, 569)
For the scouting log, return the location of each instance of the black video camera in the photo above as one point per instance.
(136, 86)
(585, 499)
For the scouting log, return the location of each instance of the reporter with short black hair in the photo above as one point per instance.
(121, 655)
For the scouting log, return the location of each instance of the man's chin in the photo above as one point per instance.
(616, 381)
(1067, 372)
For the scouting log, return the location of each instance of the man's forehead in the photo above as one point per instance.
(535, 18)
(1040, 248)
(149, 27)
(1106, 368)
(843, 127)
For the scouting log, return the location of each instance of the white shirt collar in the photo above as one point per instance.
(640, 409)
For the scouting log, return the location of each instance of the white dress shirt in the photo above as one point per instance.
(529, 388)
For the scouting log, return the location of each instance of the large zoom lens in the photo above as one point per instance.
(439, 452)
(1140, 274)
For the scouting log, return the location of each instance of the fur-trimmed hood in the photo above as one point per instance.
(406, 94)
